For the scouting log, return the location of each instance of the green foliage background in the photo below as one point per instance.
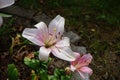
(108, 10)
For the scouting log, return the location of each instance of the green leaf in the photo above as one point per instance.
(59, 74)
(51, 77)
(43, 74)
(5, 15)
(12, 72)
(34, 77)
(32, 63)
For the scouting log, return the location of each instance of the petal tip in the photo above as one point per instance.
(39, 24)
(6, 3)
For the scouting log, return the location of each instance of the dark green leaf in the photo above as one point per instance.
(5, 15)
(32, 63)
(43, 74)
(12, 72)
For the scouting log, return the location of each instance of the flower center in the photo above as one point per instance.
(49, 45)
(54, 29)
(53, 38)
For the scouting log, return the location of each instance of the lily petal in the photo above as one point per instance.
(33, 36)
(44, 53)
(85, 60)
(72, 68)
(1, 21)
(6, 3)
(77, 55)
(83, 76)
(56, 26)
(42, 27)
(86, 70)
(64, 53)
(64, 42)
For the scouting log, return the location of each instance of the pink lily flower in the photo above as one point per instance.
(81, 65)
(50, 39)
(3, 4)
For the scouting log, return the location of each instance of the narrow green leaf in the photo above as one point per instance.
(51, 77)
(12, 72)
(43, 74)
(5, 15)
(34, 77)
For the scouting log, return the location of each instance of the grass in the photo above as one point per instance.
(6, 28)
(107, 11)
(29, 4)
